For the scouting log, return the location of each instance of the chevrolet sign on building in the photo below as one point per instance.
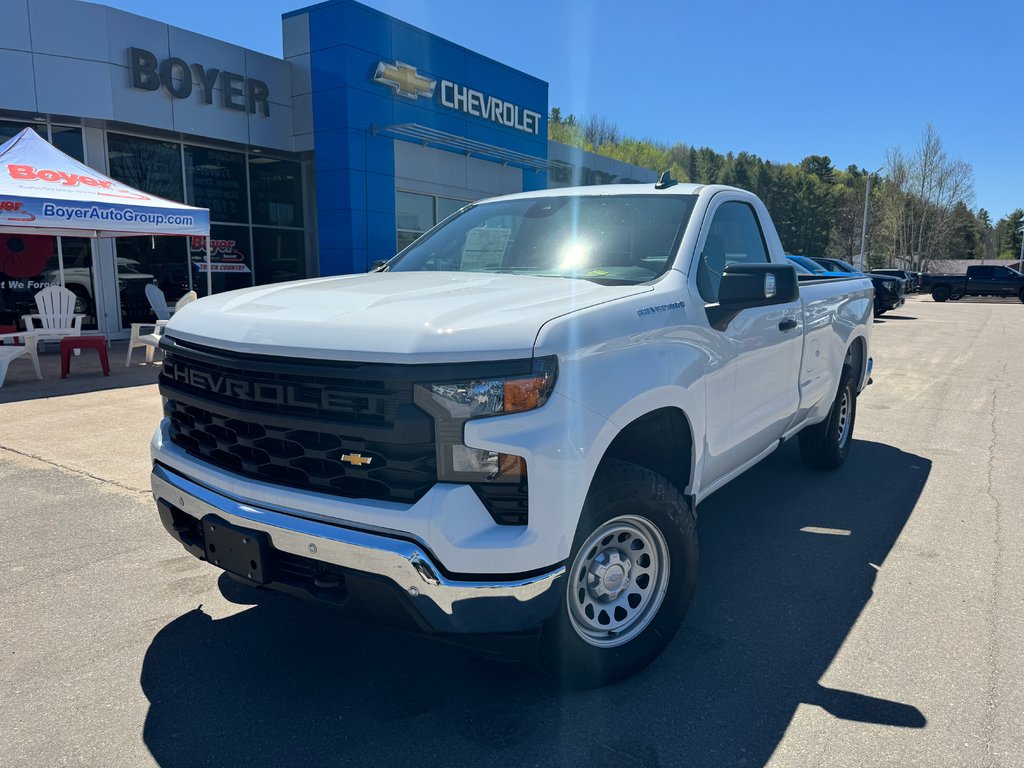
(406, 81)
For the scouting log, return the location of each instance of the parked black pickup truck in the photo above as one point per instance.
(979, 281)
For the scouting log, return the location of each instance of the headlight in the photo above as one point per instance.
(452, 404)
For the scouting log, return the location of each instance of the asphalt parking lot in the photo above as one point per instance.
(869, 616)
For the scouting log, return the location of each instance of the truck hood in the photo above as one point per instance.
(391, 316)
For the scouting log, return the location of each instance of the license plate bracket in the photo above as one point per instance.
(241, 551)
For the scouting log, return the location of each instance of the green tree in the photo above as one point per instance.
(709, 166)
(1009, 245)
(820, 166)
(986, 234)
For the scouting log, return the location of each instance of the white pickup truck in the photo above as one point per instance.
(508, 427)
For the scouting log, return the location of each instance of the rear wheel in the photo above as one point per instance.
(826, 445)
(1021, 295)
(633, 569)
(940, 293)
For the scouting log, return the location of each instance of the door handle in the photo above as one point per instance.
(787, 325)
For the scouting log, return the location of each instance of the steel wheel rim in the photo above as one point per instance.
(618, 581)
(844, 417)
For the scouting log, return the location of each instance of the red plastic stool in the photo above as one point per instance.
(70, 343)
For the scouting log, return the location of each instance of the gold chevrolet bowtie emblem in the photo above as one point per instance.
(405, 80)
(356, 460)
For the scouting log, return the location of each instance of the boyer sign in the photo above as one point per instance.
(175, 75)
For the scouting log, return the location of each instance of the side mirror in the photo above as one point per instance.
(378, 264)
(744, 286)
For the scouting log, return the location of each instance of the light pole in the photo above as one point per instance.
(1020, 264)
(864, 229)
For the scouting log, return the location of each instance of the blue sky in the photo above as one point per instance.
(782, 80)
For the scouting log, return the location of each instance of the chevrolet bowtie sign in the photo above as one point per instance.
(406, 81)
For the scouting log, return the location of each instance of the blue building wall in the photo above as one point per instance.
(355, 170)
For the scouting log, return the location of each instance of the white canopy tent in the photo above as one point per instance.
(45, 192)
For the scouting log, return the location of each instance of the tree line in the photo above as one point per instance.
(919, 208)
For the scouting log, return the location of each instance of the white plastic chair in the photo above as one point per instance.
(158, 302)
(9, 353)
(56, 317)
(151, 340)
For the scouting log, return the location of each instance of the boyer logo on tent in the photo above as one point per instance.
(14, 210)
(65, 179)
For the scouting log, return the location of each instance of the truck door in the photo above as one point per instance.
(1005, 281)
(754, 364)
(980, 280)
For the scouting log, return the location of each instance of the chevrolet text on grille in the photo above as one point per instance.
(268, 393)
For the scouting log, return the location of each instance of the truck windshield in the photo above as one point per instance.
(613, 239)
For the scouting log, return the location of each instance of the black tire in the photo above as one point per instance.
(940, 293)
(826, 445)
(1021, 295)
(637, 514)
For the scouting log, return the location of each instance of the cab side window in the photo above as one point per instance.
(734, 237)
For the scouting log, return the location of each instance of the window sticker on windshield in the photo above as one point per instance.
(485, 248)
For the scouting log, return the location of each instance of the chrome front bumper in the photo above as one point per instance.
(444, 605)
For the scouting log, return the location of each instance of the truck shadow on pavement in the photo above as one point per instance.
(788, 561)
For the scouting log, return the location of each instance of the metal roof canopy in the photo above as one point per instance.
(442, 139)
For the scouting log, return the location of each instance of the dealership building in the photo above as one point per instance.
(364, 135)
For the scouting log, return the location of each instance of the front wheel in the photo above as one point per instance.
(632, 573)
(826, 445)
(1021, 295)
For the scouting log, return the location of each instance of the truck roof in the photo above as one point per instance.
(615, 189)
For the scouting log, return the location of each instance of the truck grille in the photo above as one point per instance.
(342, 429)
(348, 429)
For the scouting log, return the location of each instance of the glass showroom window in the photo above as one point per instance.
(66, 138)
(280, 254)
(416, 213)
(276, 189)
(153, 166)
(8, 129)
(144, 260)
(147, 164)
(216, 179)
(278, 239)
(28, 263)
(230, 259)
